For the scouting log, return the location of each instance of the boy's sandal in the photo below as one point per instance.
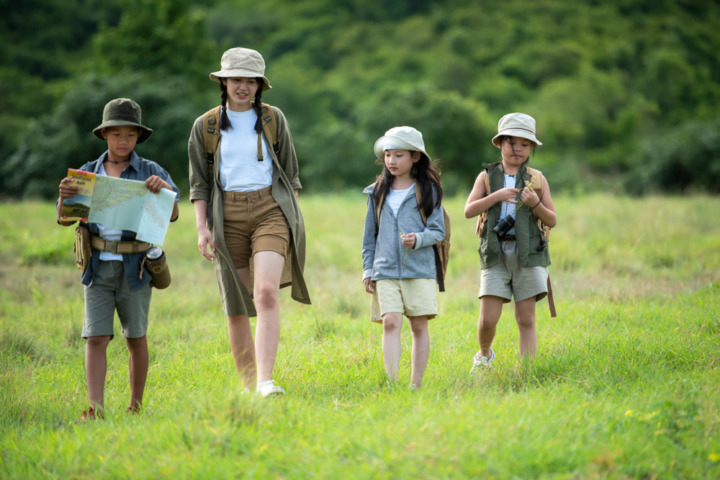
(90, 414)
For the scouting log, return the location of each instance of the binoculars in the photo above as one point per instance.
(506, 223)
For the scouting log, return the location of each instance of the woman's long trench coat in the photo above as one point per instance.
(205, 185)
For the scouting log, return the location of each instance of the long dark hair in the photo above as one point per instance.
(257, 103)
(425, 176)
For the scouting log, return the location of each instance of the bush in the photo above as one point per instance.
(683, 161)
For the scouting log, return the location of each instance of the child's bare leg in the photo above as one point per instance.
(392, 324)
(525, 319)
(95, 369)
(242, 348)
(490, 310)
(138, 368)
(420, 348)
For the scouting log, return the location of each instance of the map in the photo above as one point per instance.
(122, 204)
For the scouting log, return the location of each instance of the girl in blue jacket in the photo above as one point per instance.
(398, 258)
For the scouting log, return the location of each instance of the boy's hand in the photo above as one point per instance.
(68, 189)
(155, 184)
(507, 195)
(529, 197)
(369, 285)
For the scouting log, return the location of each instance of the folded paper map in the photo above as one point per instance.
(120, 203)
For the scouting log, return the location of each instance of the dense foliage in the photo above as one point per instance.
(626, 90)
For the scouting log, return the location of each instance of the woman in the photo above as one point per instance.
(244, 194)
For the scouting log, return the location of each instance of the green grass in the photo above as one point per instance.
(625, 384)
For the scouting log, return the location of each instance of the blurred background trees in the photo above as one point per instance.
(626, 94)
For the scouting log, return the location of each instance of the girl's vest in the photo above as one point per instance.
(528, 234)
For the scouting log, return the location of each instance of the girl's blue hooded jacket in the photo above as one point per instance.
(384, 257)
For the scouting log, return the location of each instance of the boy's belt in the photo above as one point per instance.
(132, 246)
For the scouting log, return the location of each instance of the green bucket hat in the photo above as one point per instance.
(123, 112)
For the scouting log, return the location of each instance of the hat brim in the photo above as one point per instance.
(216, 76)
(146, 132)
(392, 142)
(515, 132)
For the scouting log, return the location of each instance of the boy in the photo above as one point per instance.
(112, 278)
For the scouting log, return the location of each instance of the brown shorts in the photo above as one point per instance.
(253, 222)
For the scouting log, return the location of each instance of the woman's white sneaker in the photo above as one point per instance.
(269, 389)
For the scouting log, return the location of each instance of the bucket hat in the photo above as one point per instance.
(516, 125)
(242, 62)
(401, 138)
(123, 112)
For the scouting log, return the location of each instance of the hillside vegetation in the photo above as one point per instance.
(626, 93)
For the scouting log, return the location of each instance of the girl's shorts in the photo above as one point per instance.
(413, 297)
(253, 222)
(508, 279)
(109, 292)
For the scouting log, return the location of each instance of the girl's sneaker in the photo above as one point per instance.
(269, 389)
(479, 361)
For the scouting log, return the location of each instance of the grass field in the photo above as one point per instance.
(626, 383)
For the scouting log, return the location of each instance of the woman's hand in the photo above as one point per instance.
(205, 241)
(369, 285)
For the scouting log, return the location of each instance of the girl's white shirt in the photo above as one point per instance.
(396, 197)
(508, 208)
(240, 170)
(108, 233)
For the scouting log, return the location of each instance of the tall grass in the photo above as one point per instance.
(625, 384)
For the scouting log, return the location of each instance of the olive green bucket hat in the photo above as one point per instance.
(123, 112)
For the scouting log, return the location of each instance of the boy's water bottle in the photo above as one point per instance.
(156, 263)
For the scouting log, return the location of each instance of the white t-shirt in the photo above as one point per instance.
(108, 233)
(240, 170)
(396, 197)
(508, 208)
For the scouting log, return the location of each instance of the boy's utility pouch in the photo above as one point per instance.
(82, 248)
(156, 263)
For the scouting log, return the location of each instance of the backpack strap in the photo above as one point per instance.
(270, 125)
(535, 176)
(211, 133)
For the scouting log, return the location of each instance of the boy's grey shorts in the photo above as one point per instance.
(509, 280)
(109, 292)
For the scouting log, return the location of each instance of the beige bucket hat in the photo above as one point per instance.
(242, 62)
(123, 112)
(516, 125)
(400, 138)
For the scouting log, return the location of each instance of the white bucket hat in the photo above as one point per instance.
(241, 62)
(516, 125)
(400, 138)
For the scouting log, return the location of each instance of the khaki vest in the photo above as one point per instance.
(527, 234)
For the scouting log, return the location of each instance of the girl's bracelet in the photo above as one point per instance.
(536, 205)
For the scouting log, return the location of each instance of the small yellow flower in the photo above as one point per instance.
(628, 413)
(402, 235)
(714, 457)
